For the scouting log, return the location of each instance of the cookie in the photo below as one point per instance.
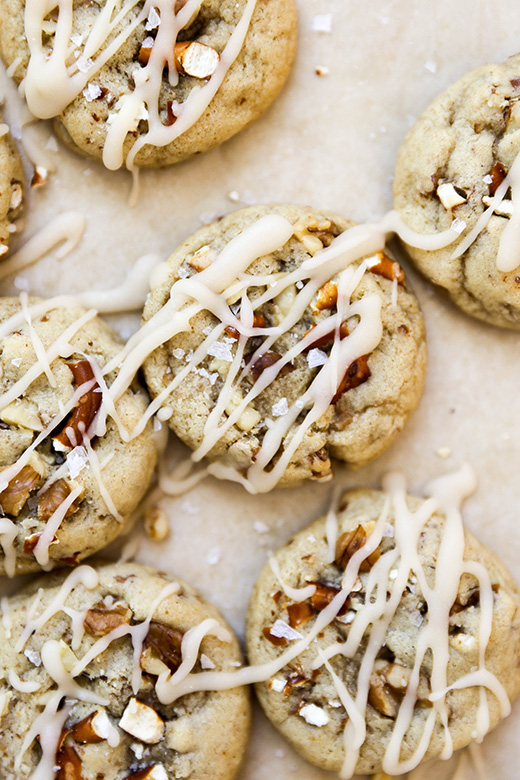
(158, 83)
(271, 386)
(452, 166)
(11, 186)
(67, 487)
(381, 646)
(108, 639)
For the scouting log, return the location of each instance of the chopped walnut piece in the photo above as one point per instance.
(299, 613)
(202, 258)
(328, 337)
(30, 542)
(53, 497)
(299, 679)
(382, 698)
(266, 360)
(325, 230)
(327, 296)
(164, 643)
(324, 594)
(88, 405)
(497, 173)
(146, 50)
(16, 494)
(101, 620)
(196, 59)
(142, 722)
(320, 465)
(349, 543)
(23, 413)
(356, 374)
(69, 764)
(388, 268)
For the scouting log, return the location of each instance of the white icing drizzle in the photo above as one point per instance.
(24, 686)
(66, 229)
(130, 295)
(296, 594)
(7, 623)
(54, 80)
(41, 551)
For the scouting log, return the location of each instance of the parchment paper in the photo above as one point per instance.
(329, 141)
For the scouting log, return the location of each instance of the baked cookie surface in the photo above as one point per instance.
(67, 490)
(450, 166)
(413, 615)
(246, 395)
(142, 89)
(11, 186)
(115, 722)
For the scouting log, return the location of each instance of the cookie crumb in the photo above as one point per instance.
(443, 452)
(156, 524)
(322, 70)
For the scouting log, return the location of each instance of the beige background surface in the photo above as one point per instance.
(328, 141)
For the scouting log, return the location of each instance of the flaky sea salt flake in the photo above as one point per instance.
(283, 630)
(316, 357)
(91, 92)
(322, 23)
(77, 460)
(153, 21)
(314, 715)
(221, 351)
(84, 64)
(458, 225)
(280, 408)
(206, 663)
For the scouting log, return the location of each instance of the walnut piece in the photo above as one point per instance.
(327, 296)
(16, 494)
(101, 620)
(349, 543)
(88, 405)
(356, 374)
(53, 497)
(164, 643)
(22, 413)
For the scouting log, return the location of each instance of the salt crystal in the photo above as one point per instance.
(388, 533)
(393, 574)
(487, 179)
(206, 663)
(316, 357)
(16, 362)
(431, 66)
(91, 92)
(458, 225)
(178, 353)
(33, 656)
(416, 618)
(221, 351)
(277, 685)
(322, 23)
(260, 528)
(213, 556)
(207, 331)
(280, 408)
(299, 285)
(234, 196)
(153, 21)
(20, 283)
(84, 64)
(314, 715)
(76, 39)
(183, 272)
(77, 460)
(284, 631)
